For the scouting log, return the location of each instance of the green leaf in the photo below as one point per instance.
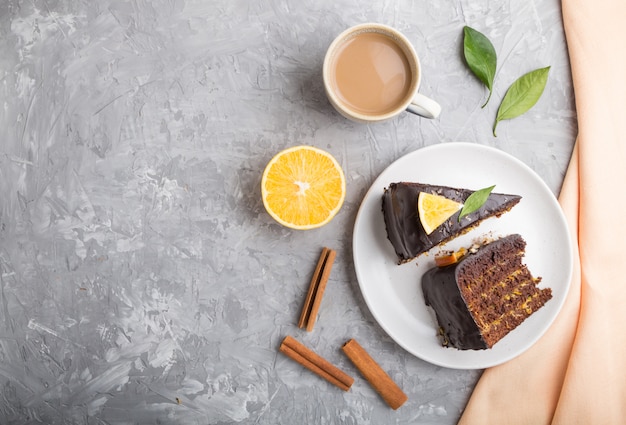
(522, 95)
(475, 201)
(480, 57)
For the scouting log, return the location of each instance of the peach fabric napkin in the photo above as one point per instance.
(576, 374)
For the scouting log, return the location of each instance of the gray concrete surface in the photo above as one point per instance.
(141, 280)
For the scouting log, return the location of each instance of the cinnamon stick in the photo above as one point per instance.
(312, 361)
(374, 374)
(316, 289)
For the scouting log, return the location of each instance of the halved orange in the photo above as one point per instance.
(303, 187)
(434, 210)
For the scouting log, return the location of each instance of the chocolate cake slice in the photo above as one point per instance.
(404, 230)
(485, 295)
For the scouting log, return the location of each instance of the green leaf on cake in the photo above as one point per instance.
(475, 201)
(522, 95)
(480, 56)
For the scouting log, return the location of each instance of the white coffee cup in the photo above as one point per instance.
(372, 73)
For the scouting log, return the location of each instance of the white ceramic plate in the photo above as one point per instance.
(393, 292)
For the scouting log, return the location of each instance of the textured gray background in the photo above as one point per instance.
(141, 280)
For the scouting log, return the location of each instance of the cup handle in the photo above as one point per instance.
(424, 106)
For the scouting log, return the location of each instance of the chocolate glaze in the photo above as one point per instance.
(441, 292)
(404, 230)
